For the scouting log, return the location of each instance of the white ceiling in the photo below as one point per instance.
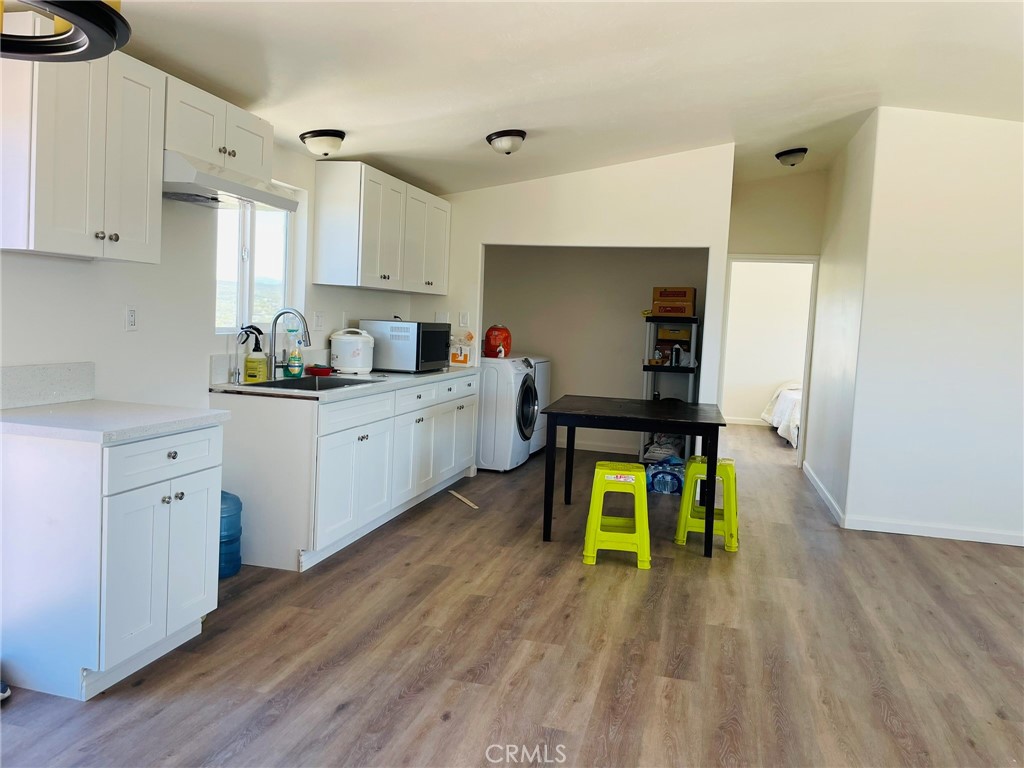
(417, 86)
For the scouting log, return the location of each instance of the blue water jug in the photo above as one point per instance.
(230, 534)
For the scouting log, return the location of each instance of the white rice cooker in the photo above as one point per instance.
(352, 351)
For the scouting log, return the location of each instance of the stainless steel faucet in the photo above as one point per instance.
(272, 349)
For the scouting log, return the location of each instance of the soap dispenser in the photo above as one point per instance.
(256, 368)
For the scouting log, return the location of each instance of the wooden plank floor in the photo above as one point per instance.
(450, 630)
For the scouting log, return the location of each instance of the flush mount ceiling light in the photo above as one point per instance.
(791, 157)
(324, 142)
(83, 30)
(506, 142)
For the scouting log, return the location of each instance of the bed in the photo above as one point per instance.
(783, 411)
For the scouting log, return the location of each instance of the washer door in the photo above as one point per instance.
(527, 407)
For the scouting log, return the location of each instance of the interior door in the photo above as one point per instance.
(193, 548)
(250, 143)
(133, 595)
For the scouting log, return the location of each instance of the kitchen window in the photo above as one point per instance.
(252, 264)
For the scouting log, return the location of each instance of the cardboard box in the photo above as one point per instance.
(672, 309)
(672, 295)
(673, 334)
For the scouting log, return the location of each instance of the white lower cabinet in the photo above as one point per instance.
(353, 480)
(340, 469)
(128, 575)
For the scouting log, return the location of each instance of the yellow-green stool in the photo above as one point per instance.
(691, 515)
(618, 533)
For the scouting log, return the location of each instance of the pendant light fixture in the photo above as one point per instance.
(324, 142)
(506, 142)
(83, 30)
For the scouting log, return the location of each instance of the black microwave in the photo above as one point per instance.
(409, 347)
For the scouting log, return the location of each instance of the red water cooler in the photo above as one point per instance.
(497, 341)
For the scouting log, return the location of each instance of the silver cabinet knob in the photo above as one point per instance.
(232, 153)
(449, 389)
(172, 455)
(419, 397)
(179, 495)
(165, 500)
(114, 237)
(222, 150)
(419, 420)
(101, 235)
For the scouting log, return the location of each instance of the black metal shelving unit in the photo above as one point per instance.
(680, 381)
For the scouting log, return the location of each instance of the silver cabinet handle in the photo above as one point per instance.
(232, 153)
(114, 237)
(101, 235)
(172, 455)
(419, 397)
(366, 437)
(469, 385)
(419, 420)
(449, 389)
(165, 500)
(179, 495)
(222, 150)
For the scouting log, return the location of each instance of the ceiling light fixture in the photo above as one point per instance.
(506, 142)
(83, 30)
(791, 157)
(325, 142)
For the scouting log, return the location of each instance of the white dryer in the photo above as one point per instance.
(508, 412)
(542, 378)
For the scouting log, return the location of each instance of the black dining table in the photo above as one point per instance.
(671, 417)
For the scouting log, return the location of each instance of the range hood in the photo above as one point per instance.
(196, 181)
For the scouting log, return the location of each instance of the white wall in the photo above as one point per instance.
(63, 310)
(557, 303)
(938, 425)
(675, 201)
(838, 309)
(766, 337)
(780, 215)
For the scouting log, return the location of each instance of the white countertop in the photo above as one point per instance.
(375, 383)
(105, 422)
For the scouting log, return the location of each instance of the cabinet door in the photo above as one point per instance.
(414, 277)
(335, 514)
(134, 160)
(250, 143)
(70, 143)
(435, 248)
(133, 595)
(465, 433)
(444, 442)
(193, 548)
(373, 471)
(382, 219)
(412, 458)
(195, 122)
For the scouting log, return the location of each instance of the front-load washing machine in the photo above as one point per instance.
(508, 412)
(542, 377)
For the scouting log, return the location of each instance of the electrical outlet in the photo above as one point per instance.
(318, 321)
(440, 317)
(463, 319)
(131, 318)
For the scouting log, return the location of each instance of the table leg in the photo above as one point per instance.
(711, 451)
(549, 475)
(570, 453)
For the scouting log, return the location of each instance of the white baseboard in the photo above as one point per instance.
(746, 421)
(957, 532)
(833, 506)
(94, 682)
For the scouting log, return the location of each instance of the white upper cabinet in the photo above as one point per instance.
(376, 231)
(425, 250)
(206, 127)
(83, 154)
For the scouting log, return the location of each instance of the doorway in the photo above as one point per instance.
(769, 326)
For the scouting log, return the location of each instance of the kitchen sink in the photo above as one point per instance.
(311, 383)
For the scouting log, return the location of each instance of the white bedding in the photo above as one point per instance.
(783, 411)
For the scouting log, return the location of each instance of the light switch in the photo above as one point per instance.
(131, 318)
(318, 321)
(463, 319)
(440, 317)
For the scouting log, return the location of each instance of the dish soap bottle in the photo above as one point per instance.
(294, 367)
(256, 368)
